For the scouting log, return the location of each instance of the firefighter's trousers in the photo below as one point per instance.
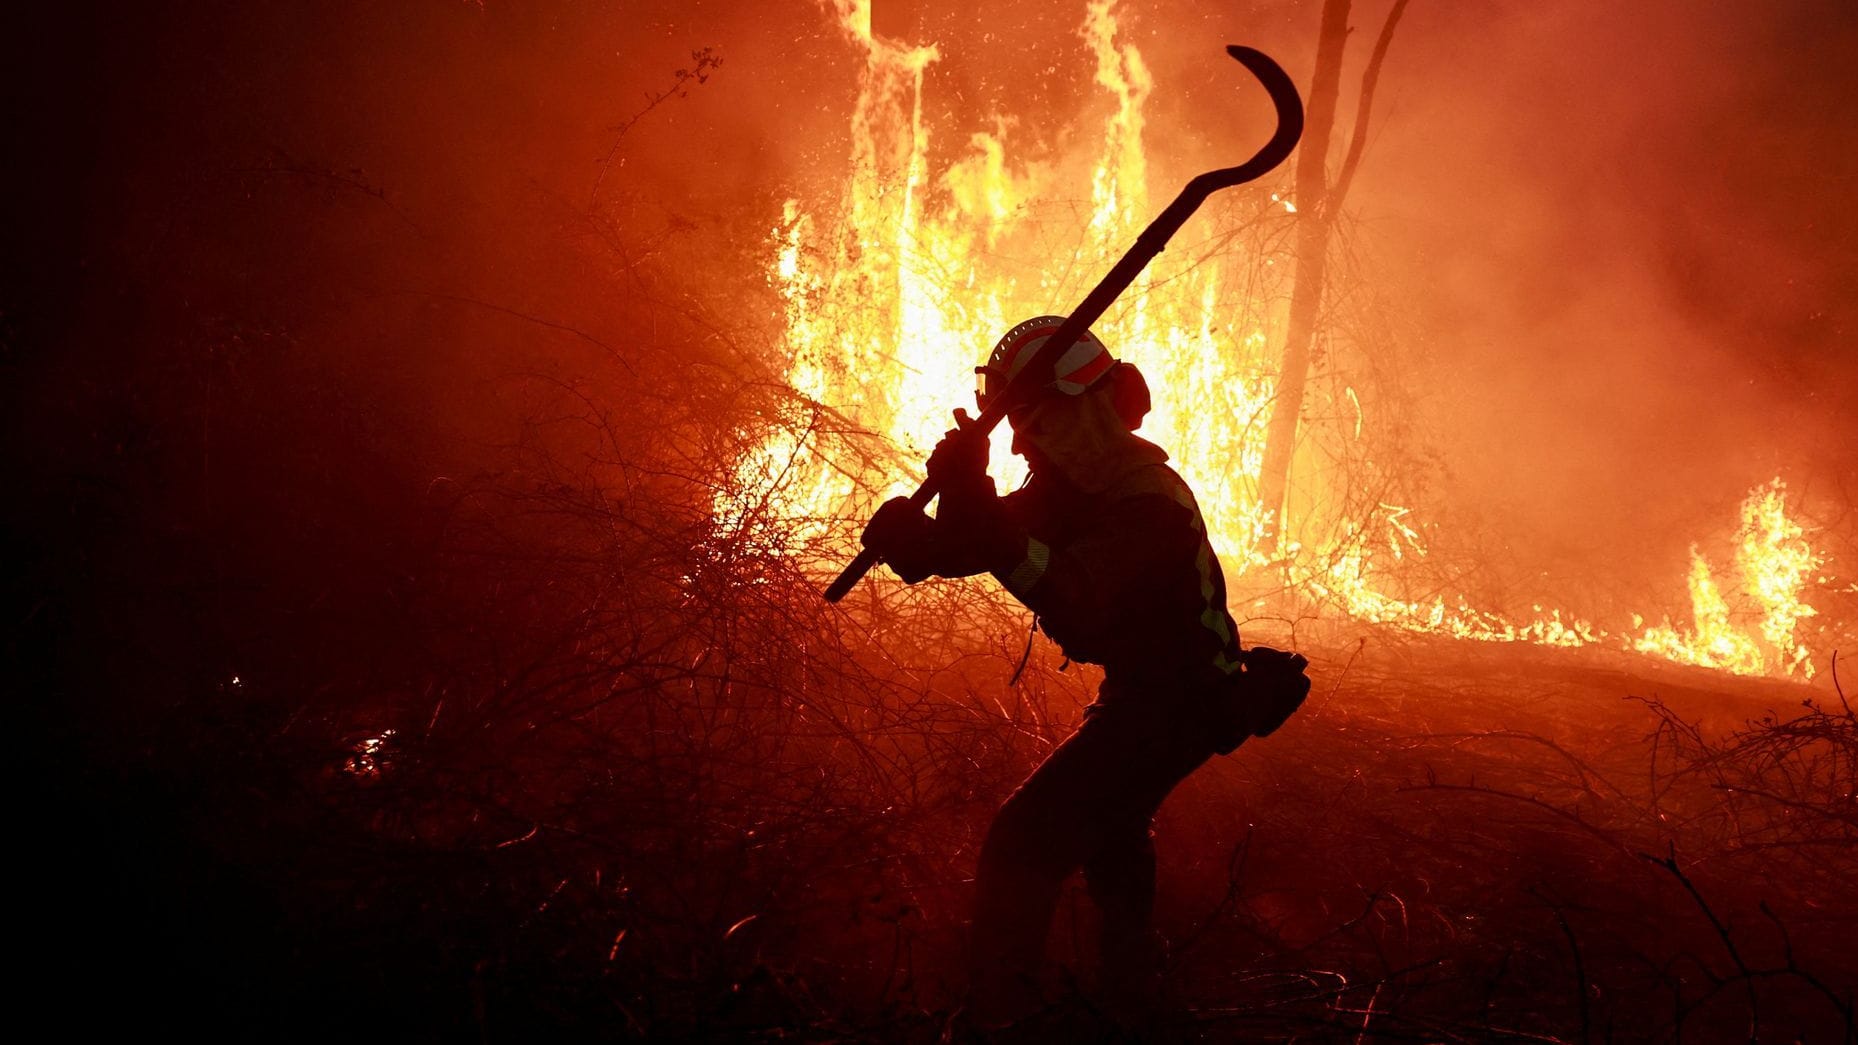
(1089, 805)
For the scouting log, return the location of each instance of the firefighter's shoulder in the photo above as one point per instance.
(1154, 477)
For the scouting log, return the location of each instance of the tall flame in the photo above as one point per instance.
(888, 308)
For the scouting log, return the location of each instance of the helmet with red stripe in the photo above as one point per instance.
(1079, 367)
(1085, 365)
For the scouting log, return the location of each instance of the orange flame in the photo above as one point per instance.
(887, 310)
(1775, 561)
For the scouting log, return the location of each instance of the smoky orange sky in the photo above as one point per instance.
(1620, 235)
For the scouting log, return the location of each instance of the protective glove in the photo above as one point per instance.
(1255, 700)
(900, 534)
(959, 464)
(1279, 684)
(970, 516)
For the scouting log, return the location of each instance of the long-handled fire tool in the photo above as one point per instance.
(1150, 243)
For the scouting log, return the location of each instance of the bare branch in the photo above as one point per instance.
(1359, 139)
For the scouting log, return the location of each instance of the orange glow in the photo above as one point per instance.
(892, 292)
(887, 312)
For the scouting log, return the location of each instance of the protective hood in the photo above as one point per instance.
(1085, 441)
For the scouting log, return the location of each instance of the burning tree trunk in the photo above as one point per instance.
(1317, 204)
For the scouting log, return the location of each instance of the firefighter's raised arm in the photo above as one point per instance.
(969, 529)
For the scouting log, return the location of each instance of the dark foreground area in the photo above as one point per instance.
(1448, 845)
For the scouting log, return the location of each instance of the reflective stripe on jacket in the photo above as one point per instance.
(1123, 576)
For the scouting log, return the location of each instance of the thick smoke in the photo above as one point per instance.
(1624, 232)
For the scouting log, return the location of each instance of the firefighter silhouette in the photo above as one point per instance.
(1107, 546)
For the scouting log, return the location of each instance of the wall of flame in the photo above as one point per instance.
(892, 291)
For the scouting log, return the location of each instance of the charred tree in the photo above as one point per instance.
(1318, 202)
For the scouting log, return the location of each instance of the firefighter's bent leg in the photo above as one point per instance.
(1088, 805)
(1121, 879)
(1036, 841)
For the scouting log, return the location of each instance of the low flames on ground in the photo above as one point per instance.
(892, 288)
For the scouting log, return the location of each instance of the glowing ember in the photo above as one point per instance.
(369, 757)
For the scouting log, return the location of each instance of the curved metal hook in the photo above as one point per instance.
(1289, 103)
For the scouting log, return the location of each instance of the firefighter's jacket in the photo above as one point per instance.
(1122, 575)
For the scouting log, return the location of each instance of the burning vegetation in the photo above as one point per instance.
(434, 432)
(886, 287)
